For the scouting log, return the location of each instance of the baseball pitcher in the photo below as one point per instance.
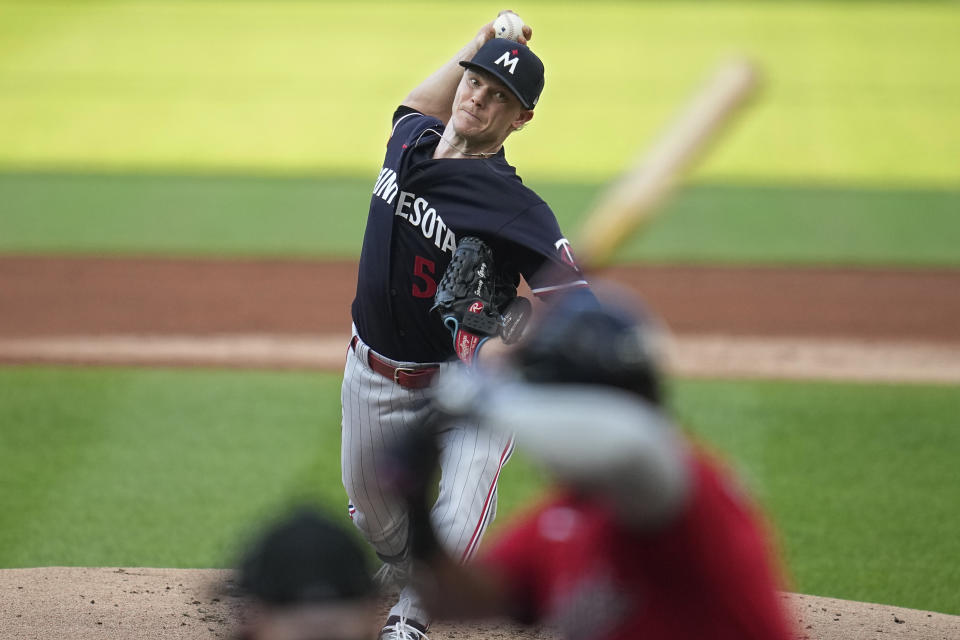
(450, 231)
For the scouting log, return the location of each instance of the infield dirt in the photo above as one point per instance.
(871, 324)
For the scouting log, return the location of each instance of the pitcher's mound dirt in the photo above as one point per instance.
(193, 604)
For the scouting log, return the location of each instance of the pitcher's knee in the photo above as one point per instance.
(387, 535)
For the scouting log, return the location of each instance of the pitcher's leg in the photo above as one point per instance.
(470, 464)
(375, 412)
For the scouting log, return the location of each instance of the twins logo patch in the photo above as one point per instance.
(566, 253)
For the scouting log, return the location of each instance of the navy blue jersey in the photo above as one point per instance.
(419, 210)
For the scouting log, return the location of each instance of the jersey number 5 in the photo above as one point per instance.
(424, 270)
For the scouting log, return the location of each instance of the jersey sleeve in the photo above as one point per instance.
(402, 112)
(544, 256)
(408, 122)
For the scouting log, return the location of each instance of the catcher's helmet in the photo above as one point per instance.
(582, 340)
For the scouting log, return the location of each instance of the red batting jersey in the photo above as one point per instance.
(709, 574)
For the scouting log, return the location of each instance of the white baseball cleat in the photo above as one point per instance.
(402, 628)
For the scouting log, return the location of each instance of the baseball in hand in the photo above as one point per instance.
(509, 26)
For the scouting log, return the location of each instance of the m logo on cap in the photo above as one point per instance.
(507, 61)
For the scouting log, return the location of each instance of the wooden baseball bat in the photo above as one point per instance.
(634, 198)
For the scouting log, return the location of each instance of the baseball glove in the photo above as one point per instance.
(470, 298)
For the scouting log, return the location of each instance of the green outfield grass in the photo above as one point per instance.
(256, 128)
(855, 91)
(248, 216)
(156, 468)
(125, 467)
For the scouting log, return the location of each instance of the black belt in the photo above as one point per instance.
(406, 377)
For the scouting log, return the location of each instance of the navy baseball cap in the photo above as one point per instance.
(513, 64)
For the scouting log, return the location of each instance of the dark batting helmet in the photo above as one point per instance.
(583, 340)
(305, 558)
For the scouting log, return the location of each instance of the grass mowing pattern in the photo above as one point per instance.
(322, 217)
(183, 215)
(130, 467)
(855, 91)
(157, 468)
